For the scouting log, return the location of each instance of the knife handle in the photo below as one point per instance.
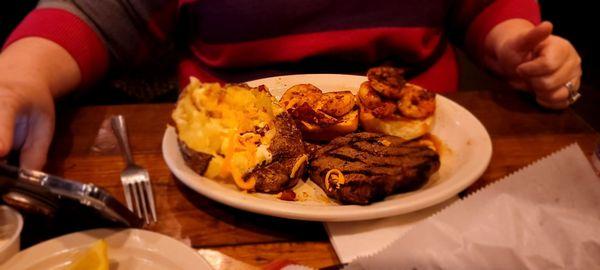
(120, 130)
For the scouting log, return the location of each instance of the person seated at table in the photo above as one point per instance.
(65, 45)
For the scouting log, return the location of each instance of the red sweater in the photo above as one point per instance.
(233, 40)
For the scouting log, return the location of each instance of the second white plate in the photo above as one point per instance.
(466, 156)
(130, 249)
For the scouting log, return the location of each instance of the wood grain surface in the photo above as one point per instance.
(521, 132)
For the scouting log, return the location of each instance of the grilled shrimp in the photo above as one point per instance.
(371, 100)
(336, 104)
(368, 97)
(416, 102)
(301, 93)
(388, 81)
(306, 113)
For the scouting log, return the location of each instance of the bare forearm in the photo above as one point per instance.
(39, 61)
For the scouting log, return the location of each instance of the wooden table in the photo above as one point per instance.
(521, 133)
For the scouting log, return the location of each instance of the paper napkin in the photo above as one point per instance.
(545, 216)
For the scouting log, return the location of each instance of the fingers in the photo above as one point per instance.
(26, 121)
(548, 61)
(568, 71)
(8, 112)
(535, 36)
(551, 54)
(555, 63)
(35, 149)
(558, 98)
(26, 126)
(553, 105)
(557, 95)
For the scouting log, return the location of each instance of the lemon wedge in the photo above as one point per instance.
(94, 258)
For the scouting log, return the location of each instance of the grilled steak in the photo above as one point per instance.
(311, 148)
(286, 147)
(373, 167)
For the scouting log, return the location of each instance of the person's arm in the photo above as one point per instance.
(64, 45)
(38, 60)
(32, 72)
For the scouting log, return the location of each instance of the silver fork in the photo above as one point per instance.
(135, 179)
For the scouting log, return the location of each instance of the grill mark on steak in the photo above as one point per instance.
(352, 154)
(381, 150)
(371, 169)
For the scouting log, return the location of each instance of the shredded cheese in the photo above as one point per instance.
(339, 178)
(237, 178)
(228, 155)
(221, 121)
(248, 145)
(229, 168)
(251, 153)
(299, 162)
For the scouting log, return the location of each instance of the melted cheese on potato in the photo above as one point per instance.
(224, 122)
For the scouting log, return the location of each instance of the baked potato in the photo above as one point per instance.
(239, 133)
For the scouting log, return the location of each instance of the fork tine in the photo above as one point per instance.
(136, 198)
(128, 197)
(134, 178)
(143, 199)
(148, 187)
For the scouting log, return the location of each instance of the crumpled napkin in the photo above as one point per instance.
(544, 216)
(374, 235)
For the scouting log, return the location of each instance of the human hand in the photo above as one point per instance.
(26, 121)
(542, 63)
(32, 72)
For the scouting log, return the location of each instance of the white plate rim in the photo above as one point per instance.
(340, 213)
(35, 254)
(14, 241)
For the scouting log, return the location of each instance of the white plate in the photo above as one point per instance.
(468, 153)
(130, 249)
(11, 225)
